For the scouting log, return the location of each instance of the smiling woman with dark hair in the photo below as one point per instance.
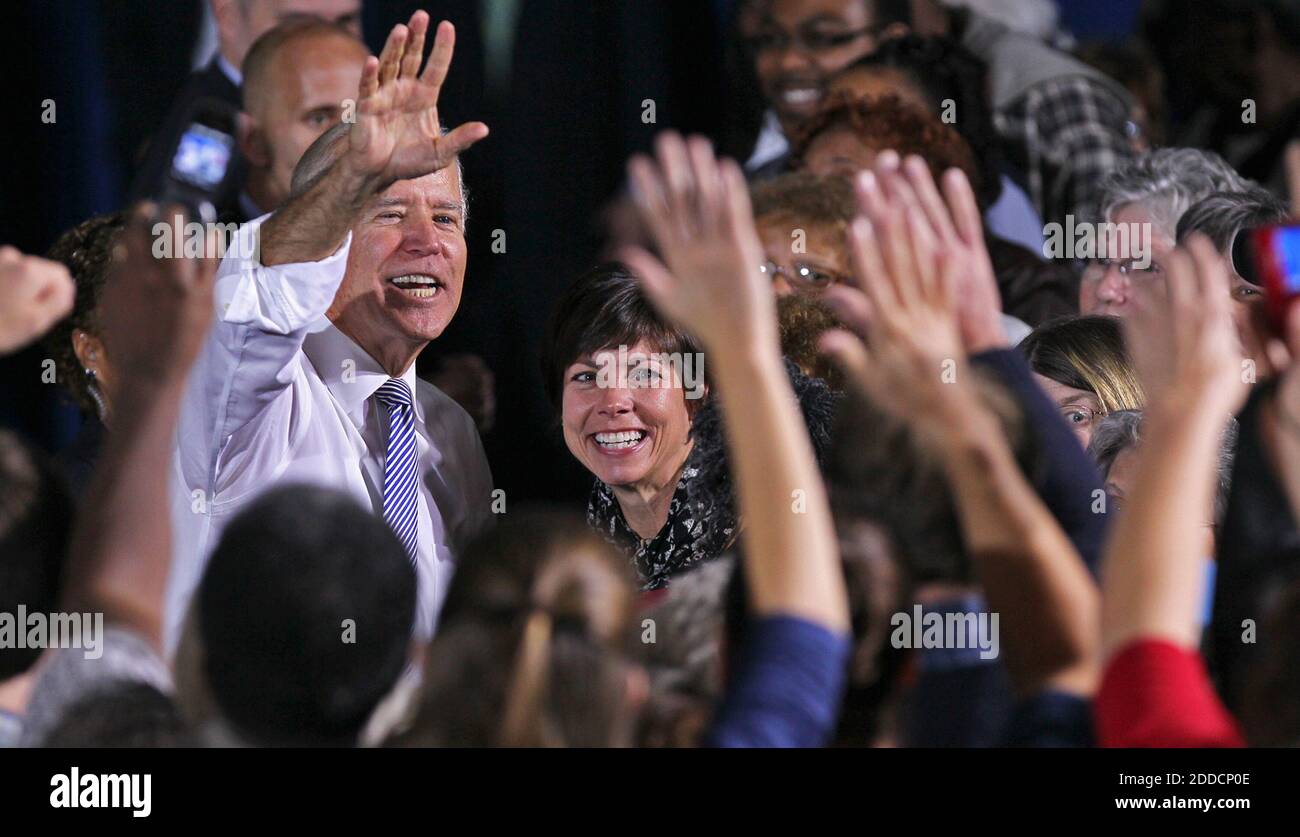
(635, 411)
(634, 435)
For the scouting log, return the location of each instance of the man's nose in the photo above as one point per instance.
(1114, 285)
(780, 287)
(420, 237)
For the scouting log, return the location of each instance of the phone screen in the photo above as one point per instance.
(202, 156)
(1286, 254)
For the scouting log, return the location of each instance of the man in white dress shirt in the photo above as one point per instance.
(309, 371)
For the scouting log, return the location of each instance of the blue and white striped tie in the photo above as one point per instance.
(400, 492)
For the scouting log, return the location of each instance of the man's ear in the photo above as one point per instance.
(252, 142)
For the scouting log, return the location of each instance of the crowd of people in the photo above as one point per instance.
(872, 463)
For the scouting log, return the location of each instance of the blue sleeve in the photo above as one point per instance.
(1051, 719)
(786, 687)
(1069, 478)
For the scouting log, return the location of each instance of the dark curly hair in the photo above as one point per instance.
(944, 70)
(820, 200)
(887, 122)
(85, 250)
(802, 320)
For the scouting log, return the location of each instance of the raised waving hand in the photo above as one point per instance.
(707, 279)
(397, 134)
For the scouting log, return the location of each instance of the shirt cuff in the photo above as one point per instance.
(279, 299)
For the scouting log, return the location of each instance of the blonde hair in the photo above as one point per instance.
(1087, 353)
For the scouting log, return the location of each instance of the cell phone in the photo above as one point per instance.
(1270, 257)
(201, 162)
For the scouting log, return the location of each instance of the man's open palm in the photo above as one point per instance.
(397, 135)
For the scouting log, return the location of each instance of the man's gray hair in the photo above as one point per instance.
(1122, 429)
(1168, 182)
(322, 154)
(1222, 215)
(1117, 432)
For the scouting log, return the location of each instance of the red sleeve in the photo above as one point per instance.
(1156, 694)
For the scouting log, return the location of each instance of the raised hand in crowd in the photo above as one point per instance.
(1155, 690)
(1183, 353)
(909, 356)
(707, 278)
(155, 313)
(1285, 441)
(35, 293)
(1186, 350)
(931, 249)
(907, 314)
(396, 136)
(953, 219)
(1068, 478)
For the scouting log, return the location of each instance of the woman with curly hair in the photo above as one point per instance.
(943, 77)
(845, 136)
(81, 364)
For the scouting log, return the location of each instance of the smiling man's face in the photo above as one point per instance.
(406, 266)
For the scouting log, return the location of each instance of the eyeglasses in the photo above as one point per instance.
(802, 277)
(1126, 267)
(807, 41)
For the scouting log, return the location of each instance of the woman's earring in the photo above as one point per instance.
(92, 387)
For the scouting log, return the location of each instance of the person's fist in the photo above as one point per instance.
(155, 311)
(35, 294)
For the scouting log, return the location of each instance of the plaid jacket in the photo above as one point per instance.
(1065, 134)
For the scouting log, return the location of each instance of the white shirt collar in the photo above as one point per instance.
(770, 144)
(230, 71)
(350, 373)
